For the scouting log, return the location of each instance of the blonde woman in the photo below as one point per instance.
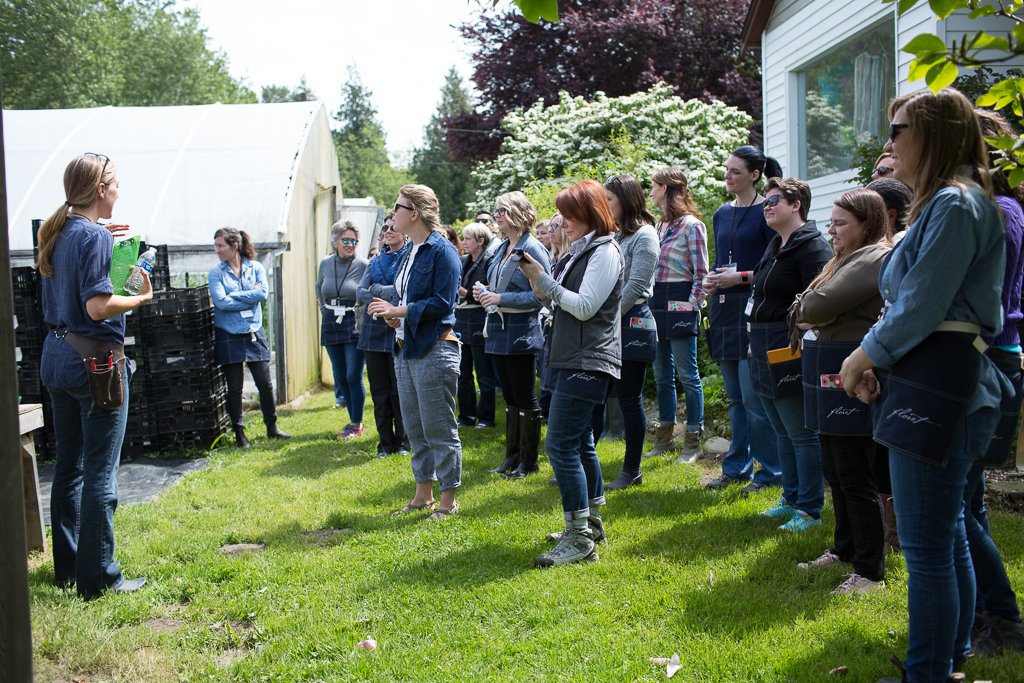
(514, 333)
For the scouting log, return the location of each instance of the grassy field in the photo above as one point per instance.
(685, 571)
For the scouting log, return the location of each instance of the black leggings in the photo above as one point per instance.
(260, 370)
(387, 411)
(518, 378)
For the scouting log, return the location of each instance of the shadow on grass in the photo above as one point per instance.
(315, 459)
(482, 564)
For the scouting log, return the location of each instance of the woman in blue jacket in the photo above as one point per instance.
(238, 285)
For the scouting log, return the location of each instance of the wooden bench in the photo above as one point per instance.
(30, 418)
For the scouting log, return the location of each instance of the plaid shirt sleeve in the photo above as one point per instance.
(684, 254)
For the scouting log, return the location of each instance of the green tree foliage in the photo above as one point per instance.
(85, 53)
(360, 141)
(432, 163)
(273, 94)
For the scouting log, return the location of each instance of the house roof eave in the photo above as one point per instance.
(756, 22)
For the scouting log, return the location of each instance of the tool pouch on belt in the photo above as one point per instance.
(104, 364)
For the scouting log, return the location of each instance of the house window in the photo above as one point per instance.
(844, 100)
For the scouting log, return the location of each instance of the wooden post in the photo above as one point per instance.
(15, 613)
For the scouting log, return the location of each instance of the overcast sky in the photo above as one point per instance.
(403, 49)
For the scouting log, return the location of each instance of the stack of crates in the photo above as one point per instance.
(160, 278)
(29, 333)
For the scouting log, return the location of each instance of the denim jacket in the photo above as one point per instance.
(432, 294)
(518, 294)
(948, 267)
(237, 300)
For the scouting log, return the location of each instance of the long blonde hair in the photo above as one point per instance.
(82, 178)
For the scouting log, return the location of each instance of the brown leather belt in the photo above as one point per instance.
(446, 335)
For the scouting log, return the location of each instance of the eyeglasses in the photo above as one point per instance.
(345, 240)
(894, 130)
(883, 170)
(499, 212)
(106, 160)
(773, 200)
(403, 206)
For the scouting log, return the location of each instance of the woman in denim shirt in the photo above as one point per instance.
(937, 393)
(513, 332)
(238, 285)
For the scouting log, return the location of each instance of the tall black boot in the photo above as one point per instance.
(529, 444)
(240, 439)
(274, 433)
(512, 431)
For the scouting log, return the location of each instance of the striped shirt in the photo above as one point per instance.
(684, 253)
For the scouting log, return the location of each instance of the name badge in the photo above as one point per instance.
(246, 313)
(721, 298)
(750, 307)
(729, 267)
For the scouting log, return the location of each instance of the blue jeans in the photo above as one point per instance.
(995, 594)
(941, 590)
(570, 449)
(679, 355)
(347, 363)
(803, 484)
(427, 386)
(84, 493)
(752, 433)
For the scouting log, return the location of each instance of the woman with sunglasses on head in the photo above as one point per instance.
(469, 323)
(678, 293)
(81, 309)
(827, 322)
(427, 353)
(793, 259)
(513, 332)
(638, 243)
(584, 357)
(937, 393)
(741, 238)
(377, 342)
(238, 287)
(336, 283)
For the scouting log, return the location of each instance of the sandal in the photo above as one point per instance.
(441, 513)
(409, 507)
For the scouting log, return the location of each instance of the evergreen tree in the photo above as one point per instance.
(361, 143)
(272, 94)
(432, 163)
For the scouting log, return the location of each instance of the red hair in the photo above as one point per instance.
(586, 202)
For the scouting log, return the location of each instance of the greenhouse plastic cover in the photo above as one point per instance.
(184, 172)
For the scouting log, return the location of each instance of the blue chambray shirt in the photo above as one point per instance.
(948, 267)
(236, 300)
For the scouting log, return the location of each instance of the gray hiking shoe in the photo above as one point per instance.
(596, 527)
(576, 545)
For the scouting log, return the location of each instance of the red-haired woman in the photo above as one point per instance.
(584, 354)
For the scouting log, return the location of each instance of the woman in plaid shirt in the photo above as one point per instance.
(682, 265)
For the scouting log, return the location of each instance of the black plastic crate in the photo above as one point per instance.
(188, 386)
(160, 278)
(202, 439)
(183, 329)
(176, 301)
(197, 415)
(161, 359)
(25, 283)
(31, 344)
(29, 383)
(29, 313)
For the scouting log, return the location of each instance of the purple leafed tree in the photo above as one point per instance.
(616, 46)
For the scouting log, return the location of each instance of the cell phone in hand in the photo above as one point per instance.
(519, 252)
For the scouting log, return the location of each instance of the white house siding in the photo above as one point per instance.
(920, 19)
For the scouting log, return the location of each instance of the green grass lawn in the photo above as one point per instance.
(459, 600)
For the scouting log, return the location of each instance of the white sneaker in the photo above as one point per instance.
(856, 584)
(827, 559)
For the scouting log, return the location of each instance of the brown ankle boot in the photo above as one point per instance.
(892, 537)
(664, 441)
(692, 450)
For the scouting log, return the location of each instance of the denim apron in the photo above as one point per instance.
(335, 330)
(469, 323)
(231, 348)
(925, 396)
(515, 331)
(772, 380)
(639, 334)
(376, 335)
(587, 385)
(726, 325)
(827, 408)
(1009, 364)
(667, 305)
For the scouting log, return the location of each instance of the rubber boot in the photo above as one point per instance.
(240, 439)
(512, 432)
(274, 433)
(664, 441)
(691, 451)
(529, 443)
(892, 537)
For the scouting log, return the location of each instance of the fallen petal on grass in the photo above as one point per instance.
(673, 666)
(369, 645)
(841, 670)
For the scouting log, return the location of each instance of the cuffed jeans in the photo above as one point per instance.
(427, 387)
(752, 435)
(929, 503)
(995, 594)
(803, 485)
(474, 358)
(679, 355)
(570, 449)
(84, 493)
(347, 363)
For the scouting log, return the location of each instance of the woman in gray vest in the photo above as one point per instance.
(513, 333)
(584, 356)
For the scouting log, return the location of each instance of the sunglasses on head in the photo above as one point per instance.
(106, 160)
(895, 128)
(773, 200)
(883, 170)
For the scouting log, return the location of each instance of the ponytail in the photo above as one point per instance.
(756, 160)
(239, 239)
(82, 178)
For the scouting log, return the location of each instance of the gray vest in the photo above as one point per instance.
(594, 344)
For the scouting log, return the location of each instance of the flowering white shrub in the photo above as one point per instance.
(636, 134)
